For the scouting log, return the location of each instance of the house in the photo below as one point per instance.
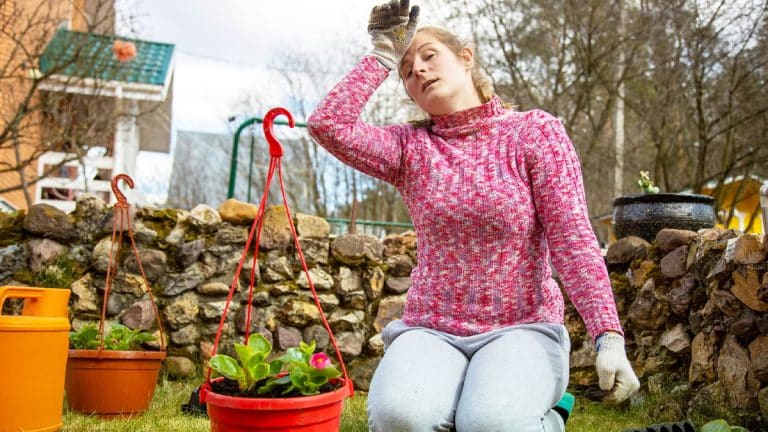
(739, 202)
(89, 110)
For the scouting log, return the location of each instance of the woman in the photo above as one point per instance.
(493, 194)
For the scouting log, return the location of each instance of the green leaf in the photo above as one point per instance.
(318, 380)
(140, 338)
(293, 355)
(308, 350)
(86, 338)
(329, 372)
(738, 429)
(299, 378)
(273, 383)
(716, 426)
(257, 370)
(244, 353)
(309, 390)
(275, 366)
(227, 366)
(260, 344)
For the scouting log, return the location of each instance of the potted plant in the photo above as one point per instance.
(113, 375)
(109, 373)
(299, 391)
(645, 214)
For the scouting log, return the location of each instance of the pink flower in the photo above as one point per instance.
(320, 361)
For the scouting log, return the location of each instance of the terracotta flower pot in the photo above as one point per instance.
(318, 413)
(111, 383)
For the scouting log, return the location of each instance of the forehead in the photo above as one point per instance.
(419, 40)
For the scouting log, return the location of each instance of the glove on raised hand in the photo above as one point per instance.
(613, 369)
(392, 27)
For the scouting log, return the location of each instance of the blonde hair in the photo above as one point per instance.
(481, 80)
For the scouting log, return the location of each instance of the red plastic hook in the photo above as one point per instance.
(275, 148)
(116, 190)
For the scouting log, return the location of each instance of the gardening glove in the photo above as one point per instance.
(613, 369)
(392, 27)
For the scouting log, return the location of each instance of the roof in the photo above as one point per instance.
(85, 63)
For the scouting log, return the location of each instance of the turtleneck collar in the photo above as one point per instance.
(469, 120)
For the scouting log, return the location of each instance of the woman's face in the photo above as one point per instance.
(436, 79)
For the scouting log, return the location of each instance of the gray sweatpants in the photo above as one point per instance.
(504, 380)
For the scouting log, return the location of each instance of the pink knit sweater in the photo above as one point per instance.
(493, 194)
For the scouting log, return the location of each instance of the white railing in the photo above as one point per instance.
(82, 178)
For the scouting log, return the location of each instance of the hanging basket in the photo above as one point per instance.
(115, 383)
(317, 413)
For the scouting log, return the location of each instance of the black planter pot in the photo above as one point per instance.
(684, 426)
(644, 215)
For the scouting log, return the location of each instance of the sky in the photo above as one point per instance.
(222, 49)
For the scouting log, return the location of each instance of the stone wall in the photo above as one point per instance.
(190, 260)
(695, 311)
(694, 306)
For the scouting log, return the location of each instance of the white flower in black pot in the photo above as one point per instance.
(644, 215)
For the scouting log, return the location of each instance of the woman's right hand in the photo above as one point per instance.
(392, 27)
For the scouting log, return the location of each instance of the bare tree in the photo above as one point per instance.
(694, 81)
(700, 98)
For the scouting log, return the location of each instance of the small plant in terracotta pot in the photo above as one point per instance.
(108, 372)
(111, 376)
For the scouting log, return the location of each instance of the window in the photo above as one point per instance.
(6, 206)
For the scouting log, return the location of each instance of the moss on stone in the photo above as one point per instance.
(165, 214)
(11, 227)
(25, 276)
(161, 227)
(620, 283)
(61, 274)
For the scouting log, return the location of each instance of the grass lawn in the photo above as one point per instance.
(164, 415)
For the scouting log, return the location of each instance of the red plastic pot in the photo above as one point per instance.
(319, 413)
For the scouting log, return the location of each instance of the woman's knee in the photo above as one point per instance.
(403, 414)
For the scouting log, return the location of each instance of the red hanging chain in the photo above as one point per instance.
(122, 213)
(276, 152)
